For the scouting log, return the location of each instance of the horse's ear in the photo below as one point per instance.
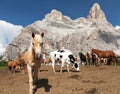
(42, 34)
(33, 34)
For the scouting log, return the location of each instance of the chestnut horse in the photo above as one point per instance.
(21, 63)
(13, 66)
(33, 58)
(106, 54)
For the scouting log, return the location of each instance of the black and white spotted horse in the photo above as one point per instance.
(66, 57)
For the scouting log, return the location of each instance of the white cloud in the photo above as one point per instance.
(117, 27)
(7, 32)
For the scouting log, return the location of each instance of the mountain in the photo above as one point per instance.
(7, 32)
(79, 35)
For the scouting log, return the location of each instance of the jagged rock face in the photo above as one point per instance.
(96, 13)
(55, 15)
(97, 39)
(80, 35)
(98, 18)
(18, 46)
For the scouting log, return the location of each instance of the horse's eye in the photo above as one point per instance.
(33, 44)
(42, 43)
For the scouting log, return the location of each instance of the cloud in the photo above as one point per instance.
(7, 32)
(117, 27)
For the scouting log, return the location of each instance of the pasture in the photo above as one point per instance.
(89, 80)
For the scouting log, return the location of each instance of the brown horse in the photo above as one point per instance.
(13, 66)
(105, 54)
(89, 58)
(33, 58)
(20, 61)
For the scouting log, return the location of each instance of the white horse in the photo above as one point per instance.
(66, 57)
(33, 58)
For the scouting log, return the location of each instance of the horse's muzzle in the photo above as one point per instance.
(37, 56)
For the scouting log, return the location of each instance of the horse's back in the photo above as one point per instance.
(103, 54)
(11, 63)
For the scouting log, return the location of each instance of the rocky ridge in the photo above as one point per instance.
(79, 35)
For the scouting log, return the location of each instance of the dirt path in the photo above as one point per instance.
(90, 80)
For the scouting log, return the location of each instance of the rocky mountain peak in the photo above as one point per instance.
(57, 15)
(96, 13)
(80, 35)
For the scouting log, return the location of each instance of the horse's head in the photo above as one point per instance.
(37, 44)
(76, 66)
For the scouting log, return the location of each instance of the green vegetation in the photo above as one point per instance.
(3, 63)
(3, 67)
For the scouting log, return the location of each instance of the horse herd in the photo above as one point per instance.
(34, 57)
(98, 57)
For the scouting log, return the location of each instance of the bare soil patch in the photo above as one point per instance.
(89, 80)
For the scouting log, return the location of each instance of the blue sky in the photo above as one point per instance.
(25, 12)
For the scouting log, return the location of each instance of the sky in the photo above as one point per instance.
(25, 12)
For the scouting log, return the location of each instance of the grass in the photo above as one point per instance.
(3, 67)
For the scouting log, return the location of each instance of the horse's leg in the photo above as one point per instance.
(14, 69)
(9, 70)
(62, 65)
(30, 79)
(24, 67)
(82, 63)
(68, 68)
(114, 60)
(89, 62)
(53, 65)
(99, 61)
(61, 69)
(35, 76)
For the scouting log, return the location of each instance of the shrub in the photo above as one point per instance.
(3, 63)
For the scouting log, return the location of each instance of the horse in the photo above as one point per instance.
(21, 63)
(47, 60)
(95, 59)
(17, 64)
(65, 57)
(83, 58)
(13, 66)
(105, 54)
(33, 58)
(89, 58)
